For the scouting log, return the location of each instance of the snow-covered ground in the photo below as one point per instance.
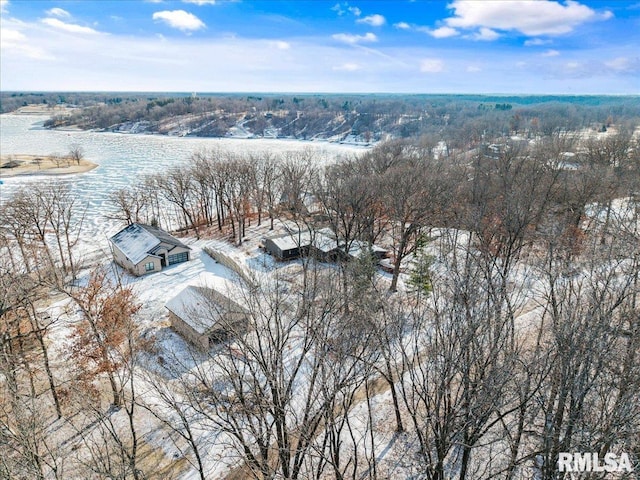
(396, 454)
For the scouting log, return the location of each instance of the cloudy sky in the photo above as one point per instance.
(401, 46)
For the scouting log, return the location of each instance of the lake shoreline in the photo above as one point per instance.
(21, 165)
(77, 129)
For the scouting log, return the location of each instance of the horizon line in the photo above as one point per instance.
(186, 92)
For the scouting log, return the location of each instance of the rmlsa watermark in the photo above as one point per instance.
(591, 462)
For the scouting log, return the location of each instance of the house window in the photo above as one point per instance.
(178, 258)
(149, 266)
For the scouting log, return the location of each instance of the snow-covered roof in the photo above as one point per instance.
(322, 240)
(138, 241)
(324, 243)
(200, 308)
(163, 236)
(359, 248)
(289, 241)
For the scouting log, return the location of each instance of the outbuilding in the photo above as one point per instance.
(204, 316)
(288, 246)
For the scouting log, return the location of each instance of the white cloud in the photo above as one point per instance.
(9, 35)
(431, 65)
(624, 65)
(200, 2)
(342, 8)
(179, 19)
(373, 20)
(442, 32)
(551, 53)
(58, 12)
(4, 4)
(347, 67)
(14, 41)
(280, 45)
(535, 42)
(338, 9)
(530, 17)
(619, 63)
(36, 56)
(485, 34)
(69, 27)
(354, 39)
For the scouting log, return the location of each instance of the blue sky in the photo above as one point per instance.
(402, 46)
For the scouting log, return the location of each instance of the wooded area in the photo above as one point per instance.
(364, 118)
(515, 337)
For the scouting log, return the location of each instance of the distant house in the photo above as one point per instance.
(143, 249)
(204, 316)
(359, 249)
(321, 244)
(299, 243)
(288, 246)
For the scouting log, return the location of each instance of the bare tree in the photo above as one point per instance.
(276, 385)
(263, 184)
(56, 158)
(406, 202)
(65, 221)
(592, 338)
(204, 177)
(131, 205)
(237, 193)
(29, 449)
(351, 204)
(298, 177)
(176, 187)
(459, 357)
(173, 409)
(76, 153)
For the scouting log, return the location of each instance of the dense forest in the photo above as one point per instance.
(355, 118)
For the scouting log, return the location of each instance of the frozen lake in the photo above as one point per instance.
(123, 159)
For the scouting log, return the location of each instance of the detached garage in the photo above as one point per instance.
(205, 316)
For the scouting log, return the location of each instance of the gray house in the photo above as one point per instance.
(143, 249)
(322, 244)
(204, 316)
(288, 246)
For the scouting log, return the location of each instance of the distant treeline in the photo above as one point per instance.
(365, 118)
